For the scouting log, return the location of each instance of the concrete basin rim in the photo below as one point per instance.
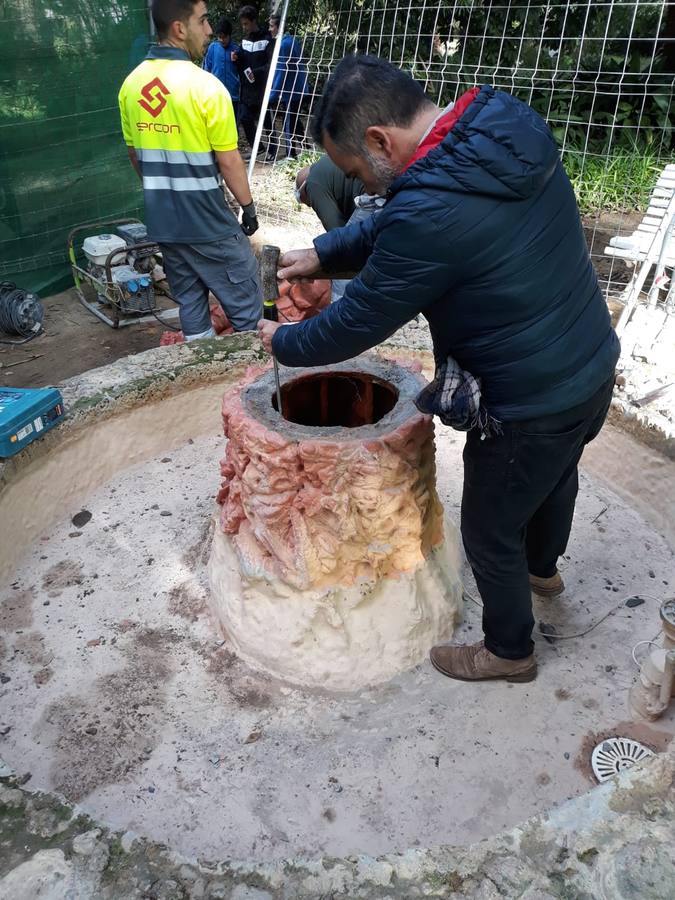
(602, 808)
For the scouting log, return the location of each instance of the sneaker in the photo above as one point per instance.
(474, 662)
(547, 587)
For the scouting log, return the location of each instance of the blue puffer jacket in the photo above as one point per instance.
(483, 236)
(218, 61)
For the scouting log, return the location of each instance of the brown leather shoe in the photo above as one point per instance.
(547, 587)
(473, 662)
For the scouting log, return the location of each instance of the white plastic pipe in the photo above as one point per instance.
(667, 682)
(632, 294)
(660, 270)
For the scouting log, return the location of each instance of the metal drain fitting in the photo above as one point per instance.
(613, 755)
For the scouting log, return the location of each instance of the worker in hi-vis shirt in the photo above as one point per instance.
(181, 135)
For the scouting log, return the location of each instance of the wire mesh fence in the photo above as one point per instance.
(601, 73)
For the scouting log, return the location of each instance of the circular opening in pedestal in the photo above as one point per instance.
(345, 399)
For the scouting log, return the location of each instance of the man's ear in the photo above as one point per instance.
(378, 141)
(178, 30)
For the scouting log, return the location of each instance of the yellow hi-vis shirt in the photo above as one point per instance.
(175, 115)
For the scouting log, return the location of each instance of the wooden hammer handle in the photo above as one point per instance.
(269, 265)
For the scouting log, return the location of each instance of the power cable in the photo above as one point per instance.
(554, 636)
(21, 312)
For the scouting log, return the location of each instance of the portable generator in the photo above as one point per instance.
(123, 271)
(136, 291)
(26, 414)
(136, 235)
(112, 264)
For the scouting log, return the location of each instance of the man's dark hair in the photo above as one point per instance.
(164, 12)
(224, 27)
(276, 20)
(249, 12)
(365, 91)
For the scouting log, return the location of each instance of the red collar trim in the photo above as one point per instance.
(443, 125)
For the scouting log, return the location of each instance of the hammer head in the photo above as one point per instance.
(269, 264)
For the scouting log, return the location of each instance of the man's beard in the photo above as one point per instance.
(383, 172)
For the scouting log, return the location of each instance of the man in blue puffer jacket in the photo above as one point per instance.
(218, 61)
(481, 234)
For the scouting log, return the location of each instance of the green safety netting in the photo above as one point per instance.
(62, 158)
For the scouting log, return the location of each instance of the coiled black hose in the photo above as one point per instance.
(21, 313)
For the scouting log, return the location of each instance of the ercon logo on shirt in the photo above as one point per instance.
(162, 127)
(153, 98)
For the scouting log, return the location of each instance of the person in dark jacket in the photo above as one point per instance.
(481, 234)
(253, 62)
(290, 88)
(218, 61)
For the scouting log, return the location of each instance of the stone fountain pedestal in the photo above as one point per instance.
(332, 563)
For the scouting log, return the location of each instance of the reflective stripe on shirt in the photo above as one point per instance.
(175, 157)
(167, 183)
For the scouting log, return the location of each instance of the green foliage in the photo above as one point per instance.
(229, 9)
(19, 102)
(291, 167)
(595, 70)
(621, 181)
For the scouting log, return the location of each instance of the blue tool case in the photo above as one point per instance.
(26, 414)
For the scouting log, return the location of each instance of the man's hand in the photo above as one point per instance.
(233, 170)
(266, 331)
(133, 159)
(249, 220)
(234, 56)
(299, 265)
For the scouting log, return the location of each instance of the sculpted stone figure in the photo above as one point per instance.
(332, 564)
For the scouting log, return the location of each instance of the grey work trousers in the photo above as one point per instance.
(227, 268)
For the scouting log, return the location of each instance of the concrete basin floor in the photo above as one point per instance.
(118, 693)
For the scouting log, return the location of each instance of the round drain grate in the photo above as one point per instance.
(615, 754)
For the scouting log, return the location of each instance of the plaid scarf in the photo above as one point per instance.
(454, 396)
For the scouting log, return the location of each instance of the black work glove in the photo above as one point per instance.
(249, 220)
